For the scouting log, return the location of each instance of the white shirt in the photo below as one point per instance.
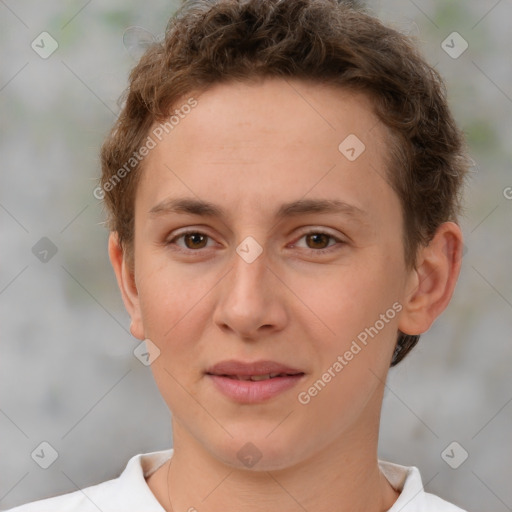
(130, 492)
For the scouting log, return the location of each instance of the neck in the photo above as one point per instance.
(344, 476)
(198, 482)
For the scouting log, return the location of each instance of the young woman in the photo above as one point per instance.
(283, 188)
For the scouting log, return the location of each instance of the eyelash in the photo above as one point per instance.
(311, 251)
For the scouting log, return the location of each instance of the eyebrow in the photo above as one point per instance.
(192, 206)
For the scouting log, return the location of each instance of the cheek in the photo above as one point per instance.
(349, 299)
(174, 313)
(164, 291)
(174, 304)
(354, 354)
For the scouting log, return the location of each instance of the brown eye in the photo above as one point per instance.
(319, 240)
(194, 240)
(189, 241)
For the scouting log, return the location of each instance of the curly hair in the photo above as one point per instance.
(325, 41)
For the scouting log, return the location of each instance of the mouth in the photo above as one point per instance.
(256, 378)
(253, 382)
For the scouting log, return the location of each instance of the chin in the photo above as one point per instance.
(257, 451)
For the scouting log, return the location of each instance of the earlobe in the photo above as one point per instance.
(431, 284)
(126, 282)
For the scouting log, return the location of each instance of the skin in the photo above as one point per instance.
(249, 148)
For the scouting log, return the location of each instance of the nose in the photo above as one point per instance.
(252, 297)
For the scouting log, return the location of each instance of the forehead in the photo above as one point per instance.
(298, 111)
(260, 143)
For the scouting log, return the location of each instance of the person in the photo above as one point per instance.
(283, 184)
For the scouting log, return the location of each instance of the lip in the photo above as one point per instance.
(233, 368)
(224, 377)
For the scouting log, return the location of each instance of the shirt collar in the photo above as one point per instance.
(405, 480)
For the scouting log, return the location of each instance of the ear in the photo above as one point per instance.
(430, 285)
(126, 282)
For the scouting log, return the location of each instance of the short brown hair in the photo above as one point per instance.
(325, 41)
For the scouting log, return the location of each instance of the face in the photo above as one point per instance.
(297, 259)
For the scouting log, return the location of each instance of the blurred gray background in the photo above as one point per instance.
(69, 376)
